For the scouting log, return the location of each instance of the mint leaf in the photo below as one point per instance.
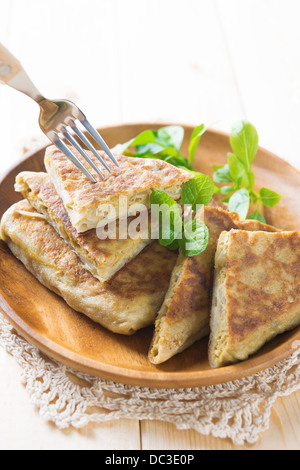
(244, 142)
(241, 175)
(226, 190)
(195, 238)
(171, 136)
(199, 190)
(239, 202)
(160, 198)
(149, 148)
(256, 215)
(222, 175)
(143, 138)
(194, 142)
(169, 217)
(166, 141)
(168, 235)
(176, 160)
(163, 144)
(269, 198)
(174, 246)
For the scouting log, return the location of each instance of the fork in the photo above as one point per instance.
(57, 117)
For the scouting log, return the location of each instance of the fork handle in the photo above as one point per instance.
(9, 65)
(13, 75)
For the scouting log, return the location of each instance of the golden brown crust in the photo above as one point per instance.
(185, 311)
(260, 293)
(125, 304)
(263, 276)
(102, 257)
(256, 226)
(134, 179)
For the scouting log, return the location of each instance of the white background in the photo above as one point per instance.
(189, 61)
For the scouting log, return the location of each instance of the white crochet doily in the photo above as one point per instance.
(239, 410)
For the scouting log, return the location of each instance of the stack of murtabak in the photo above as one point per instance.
(249, 296)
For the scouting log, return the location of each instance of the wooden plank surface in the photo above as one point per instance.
(262, 38)
(186, 61)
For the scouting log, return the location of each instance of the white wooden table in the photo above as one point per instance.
(189, 61)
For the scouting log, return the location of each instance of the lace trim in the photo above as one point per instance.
(239, 410)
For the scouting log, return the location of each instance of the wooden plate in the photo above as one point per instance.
(45, 320)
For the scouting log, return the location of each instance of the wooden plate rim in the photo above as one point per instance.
(146, 378)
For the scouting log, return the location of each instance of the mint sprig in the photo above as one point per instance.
(239, 202)
(168, 215)
(192, 236)
(164, 144)
(238, 175)
(195, 238)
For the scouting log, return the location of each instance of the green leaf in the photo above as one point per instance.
(170, 220)
(256, 215)
(143, 138)
(199, 190)
(269, 198)
(167, 236)
(150, 141)
(161, 197)
(226, 190)
(149, 148)
(239, 202)
(174, 246)
(171, 136)
(244, 142)
(163, 144)
(194, 142)
(222, 174)
(241, 175)
(195, 238)
(175, 160)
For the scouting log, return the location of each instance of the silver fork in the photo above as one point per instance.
(57, 117)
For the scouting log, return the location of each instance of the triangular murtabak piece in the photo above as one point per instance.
(184, 315)
(103, 258)
(134, 180)
(256, 292)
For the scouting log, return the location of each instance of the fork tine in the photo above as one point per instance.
(69, 154)
(88, 144)
(95, 134)
(78, 147)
